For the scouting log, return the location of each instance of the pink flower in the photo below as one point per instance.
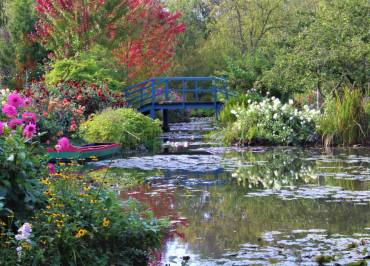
(14, 123)
(63, 144)
(9, 110)
(28, 117)
(58, 148)
(15, 100)
(29, 130)
(2, 126)
(27, 102)
(51, 168)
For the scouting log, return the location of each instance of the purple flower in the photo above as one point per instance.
(14, 123)
(9, 110)
(29, 130)
(28, 117)
(2, 126)
(15, 100)
(24, 232)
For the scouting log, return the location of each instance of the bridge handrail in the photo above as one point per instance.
(146, 92)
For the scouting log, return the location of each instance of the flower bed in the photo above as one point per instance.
(61, 218)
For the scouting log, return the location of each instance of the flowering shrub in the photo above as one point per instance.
(21, 162)
(124, 126)
(272, 122)
(66, 105)
(84, 225)
(92, 97)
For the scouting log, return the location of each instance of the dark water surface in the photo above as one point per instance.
(258, 205)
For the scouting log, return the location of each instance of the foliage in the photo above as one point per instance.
(94, 66)
(345, 120)
(271, 122)
(84, 225)
(202, 113)
(124, 126)
(141, 34)
(22, 162)
(243, 74)
(331, 51)
(69, 27)
(19, 56)
(64, 106)
(226, 116)
(189, 60)
(149, 53)
(60, 116)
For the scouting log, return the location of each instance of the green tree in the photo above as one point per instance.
(196, 15)
(330, 53)
(19, 55)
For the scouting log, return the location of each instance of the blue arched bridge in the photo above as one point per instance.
(177, 93)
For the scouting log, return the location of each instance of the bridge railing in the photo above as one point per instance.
(177, 89)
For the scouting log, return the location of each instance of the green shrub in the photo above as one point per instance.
(94, 66)
(124, 126)
(345, 120)
(21, 165)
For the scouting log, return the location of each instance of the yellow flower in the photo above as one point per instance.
(105, 222)
(81, 233)
(45, 181)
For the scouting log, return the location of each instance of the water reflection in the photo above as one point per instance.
(258, 206)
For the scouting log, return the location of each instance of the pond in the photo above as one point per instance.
(255, 205)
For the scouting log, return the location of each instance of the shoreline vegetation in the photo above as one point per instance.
(255, 120)
(300, 68)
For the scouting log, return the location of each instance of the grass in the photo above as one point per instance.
(346, 119)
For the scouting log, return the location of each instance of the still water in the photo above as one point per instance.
(256, 205)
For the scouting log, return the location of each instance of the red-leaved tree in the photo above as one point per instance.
(149, 52)
(140, 33)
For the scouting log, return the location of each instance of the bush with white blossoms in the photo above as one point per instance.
(272, 122)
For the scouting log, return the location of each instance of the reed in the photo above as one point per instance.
(346, 119)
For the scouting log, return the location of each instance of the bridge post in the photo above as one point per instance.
(196, 91)
(167, 91)
(165, 125)
(183, 94)
(226, 91)
(152, 110)
(214, 91)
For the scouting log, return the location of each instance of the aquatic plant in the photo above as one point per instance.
(345, 120)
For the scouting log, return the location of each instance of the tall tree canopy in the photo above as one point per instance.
(141, 34)
(19, 56)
